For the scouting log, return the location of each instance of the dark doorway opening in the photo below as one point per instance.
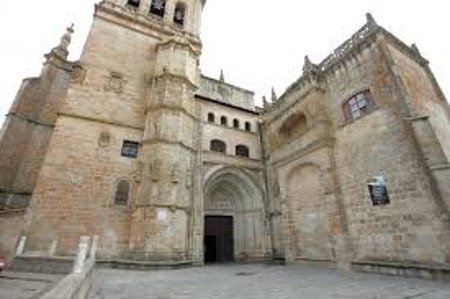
(219, 242)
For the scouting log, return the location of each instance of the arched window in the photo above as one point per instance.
(248, 126)
(158, 7)
(133, 3)
(178, 16)
(236, 124)
(358, 105)
(218, 146)
(224, 121)
(211, 118)
(242, 151)
(122, 191)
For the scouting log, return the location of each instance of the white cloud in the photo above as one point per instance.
(258, 43)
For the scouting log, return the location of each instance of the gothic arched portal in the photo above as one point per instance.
(233, 194)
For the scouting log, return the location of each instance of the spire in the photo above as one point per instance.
(265, 103)
(274, 95)
(222, 76)
(371, 23)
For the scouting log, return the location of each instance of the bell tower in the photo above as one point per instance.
(161, 222)
(131, 104)
(185, 14)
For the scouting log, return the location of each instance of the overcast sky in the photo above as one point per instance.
(258, 43)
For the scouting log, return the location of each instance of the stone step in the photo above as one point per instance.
(37, 264)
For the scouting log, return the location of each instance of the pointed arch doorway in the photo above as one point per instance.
(235, 222)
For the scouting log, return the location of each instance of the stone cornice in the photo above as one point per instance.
(204, 77)
(405, 49)
(200, 97)
(33, 121)
(169, 76)
(179, 41)
(98, 120)
(152, 108)
(168, 142)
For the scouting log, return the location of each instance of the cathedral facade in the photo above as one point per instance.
(132, 144)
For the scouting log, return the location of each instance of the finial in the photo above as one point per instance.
(265, 103)
(274, 95)
(308, 66)
(222, 76)
(66, 38)
(415, 49)
(371, 21)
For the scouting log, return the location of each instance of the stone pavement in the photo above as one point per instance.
(259, 281)
(15, 285)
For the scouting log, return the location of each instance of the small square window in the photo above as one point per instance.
(130, 149)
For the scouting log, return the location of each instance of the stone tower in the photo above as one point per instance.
(161, 220)
(128, 124)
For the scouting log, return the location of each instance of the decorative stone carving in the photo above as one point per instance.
(115, 83)
(416, 50)
(175, 173)
(189, 179)
(371, 23)
(104, 139)
(78, 74)
(265, 103)
(309, 68)
(155, 170)
(274, 95)
(138, 174)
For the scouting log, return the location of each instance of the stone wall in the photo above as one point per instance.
(324, 193)
(221, 91)
(409, 228)
(228, 134)
(424, 95)
(11, 225)
(75, 191)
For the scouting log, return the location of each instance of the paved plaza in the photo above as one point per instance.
(259, 281)
(17, 285)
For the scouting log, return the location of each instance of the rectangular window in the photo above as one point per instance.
(130, 149)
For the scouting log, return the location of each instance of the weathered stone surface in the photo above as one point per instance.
(301, 194)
